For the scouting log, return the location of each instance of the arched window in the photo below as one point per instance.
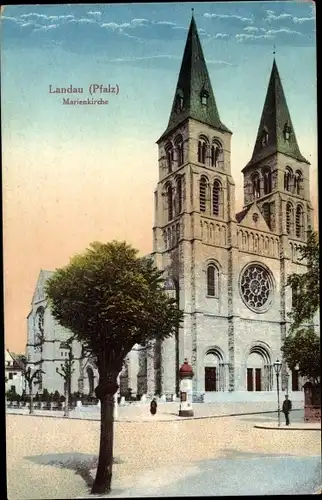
(288, 174)
(216, 154)
(215, 376)
(267, 214)
(170, 157)
(179, 195)
(216, 193)
(202, 150)
(289, 218)
(267, 176)
(299, 221)
(179, 149)
(212, 280)
(170, 202)
(259, 376)
(203, 194)
(298, 182)
(256, 186)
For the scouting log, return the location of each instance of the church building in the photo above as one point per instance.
(227, 270)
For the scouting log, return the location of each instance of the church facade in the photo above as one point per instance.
(227, 270)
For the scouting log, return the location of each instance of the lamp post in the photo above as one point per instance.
(277, 367)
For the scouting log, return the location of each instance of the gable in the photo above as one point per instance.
(253, 219)
(8, 356)
(39, 293)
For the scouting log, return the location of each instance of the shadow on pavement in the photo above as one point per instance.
(81, 463)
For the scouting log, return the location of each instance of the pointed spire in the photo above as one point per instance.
(275, 133)
(194, 85)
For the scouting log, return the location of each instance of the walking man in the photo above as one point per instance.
(287, 406)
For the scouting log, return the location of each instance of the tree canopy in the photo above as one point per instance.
(306, 286)
(301, 347)
(111, 300)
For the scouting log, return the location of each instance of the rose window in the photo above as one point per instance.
(256, 287)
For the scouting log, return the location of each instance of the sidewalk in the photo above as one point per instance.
(165, 412)
(298, 426)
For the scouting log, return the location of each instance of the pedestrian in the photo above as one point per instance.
(287, 406)
(153, 406)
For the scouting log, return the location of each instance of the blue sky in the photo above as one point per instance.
(136, 43)
(75, 174)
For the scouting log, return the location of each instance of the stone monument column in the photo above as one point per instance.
(168, 366)
(133, 369)
(150, 372)
(168, 351)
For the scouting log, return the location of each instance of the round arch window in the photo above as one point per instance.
(256, 287)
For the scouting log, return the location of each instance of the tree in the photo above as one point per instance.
(111, 300)
(66, 373)
(32, 379)
(302, 346)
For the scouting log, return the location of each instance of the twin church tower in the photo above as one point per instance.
(227, 270)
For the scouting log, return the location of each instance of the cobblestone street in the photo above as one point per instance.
(56, 458)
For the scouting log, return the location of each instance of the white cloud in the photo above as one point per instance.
(47, 28)
(220, 35)
(272, 17)
(297, 20)
(26, 24)
(169, 23)
(130, 59)
(85, 20)
(228, 16)
(243, 36)
(34, 14)
(212, 61)
(113, 26)
(251, 29)
(9, 18)
(53, 18)
(283, 30)
(95, 13)
(301, 20)
(68, 16)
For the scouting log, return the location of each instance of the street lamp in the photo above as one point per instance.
(277, 367)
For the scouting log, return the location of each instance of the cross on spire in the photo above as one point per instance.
(274, 49)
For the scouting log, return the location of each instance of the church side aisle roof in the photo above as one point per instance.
(193, 80)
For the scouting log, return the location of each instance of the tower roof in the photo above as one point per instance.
(193, 81)
(276, 123)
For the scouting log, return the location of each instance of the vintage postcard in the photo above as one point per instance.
(161, 254)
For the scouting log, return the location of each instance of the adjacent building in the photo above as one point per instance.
(14, 372)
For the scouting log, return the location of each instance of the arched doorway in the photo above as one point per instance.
(214, 368)
(259, 376)
(90, 376)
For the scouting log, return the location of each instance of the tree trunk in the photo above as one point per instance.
(105, 392)
(66, 404)
(31, 408)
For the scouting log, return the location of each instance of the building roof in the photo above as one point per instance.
(17, 362)
(193, 80)
(240, 215)
(275, 117)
